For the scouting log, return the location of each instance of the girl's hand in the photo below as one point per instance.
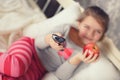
(79, 57)
(91, 58)
(49, 40)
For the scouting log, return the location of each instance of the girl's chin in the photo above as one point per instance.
(86, 41)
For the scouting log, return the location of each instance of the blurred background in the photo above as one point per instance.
(112, 7)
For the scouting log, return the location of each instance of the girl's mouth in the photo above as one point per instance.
(88, 39)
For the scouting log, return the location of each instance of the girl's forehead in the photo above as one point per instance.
(91, 21)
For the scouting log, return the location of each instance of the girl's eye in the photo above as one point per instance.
(86, 27)
(98, 32)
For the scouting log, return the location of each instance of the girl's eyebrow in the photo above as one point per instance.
(86, 25)
(100, 29)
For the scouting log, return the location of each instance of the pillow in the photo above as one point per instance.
(66, 16)
(98, 71)
(111, 51)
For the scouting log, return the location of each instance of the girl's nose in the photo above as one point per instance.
(90, 34)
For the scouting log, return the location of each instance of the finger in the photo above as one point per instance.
(89, 57)
(97, 58)
(81, 57)
(85, 53)
(59, 47)
(59, 34)
(94, 58)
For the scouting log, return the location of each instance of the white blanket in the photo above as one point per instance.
(15, 15)
(102, 69)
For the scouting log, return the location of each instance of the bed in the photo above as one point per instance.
(14, 16)
(24, 17)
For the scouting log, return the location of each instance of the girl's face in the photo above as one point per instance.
(90, 30)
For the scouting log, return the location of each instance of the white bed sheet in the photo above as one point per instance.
(15, 15)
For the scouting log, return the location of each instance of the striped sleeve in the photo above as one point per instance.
(17, 59)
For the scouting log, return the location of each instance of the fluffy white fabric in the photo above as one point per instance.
(14, 16)
(67, 16)
(100, 70)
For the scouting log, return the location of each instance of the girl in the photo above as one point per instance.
(91, 27)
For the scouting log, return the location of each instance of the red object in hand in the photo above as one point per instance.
(66, 53)
(92, 47)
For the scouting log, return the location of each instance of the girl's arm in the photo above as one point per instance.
(40, 41)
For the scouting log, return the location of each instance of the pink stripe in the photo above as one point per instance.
(2, 61)
(24, 59)
(22, 50)
(0, 76)
(36, 70)
(21, 42)
(32, 75)
(27, 76)
(7, 65)
(23, 54)
(20, 45)
(17, 46)
(15, 67)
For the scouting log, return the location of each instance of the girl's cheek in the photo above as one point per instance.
(98, 37)
(82, 33)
